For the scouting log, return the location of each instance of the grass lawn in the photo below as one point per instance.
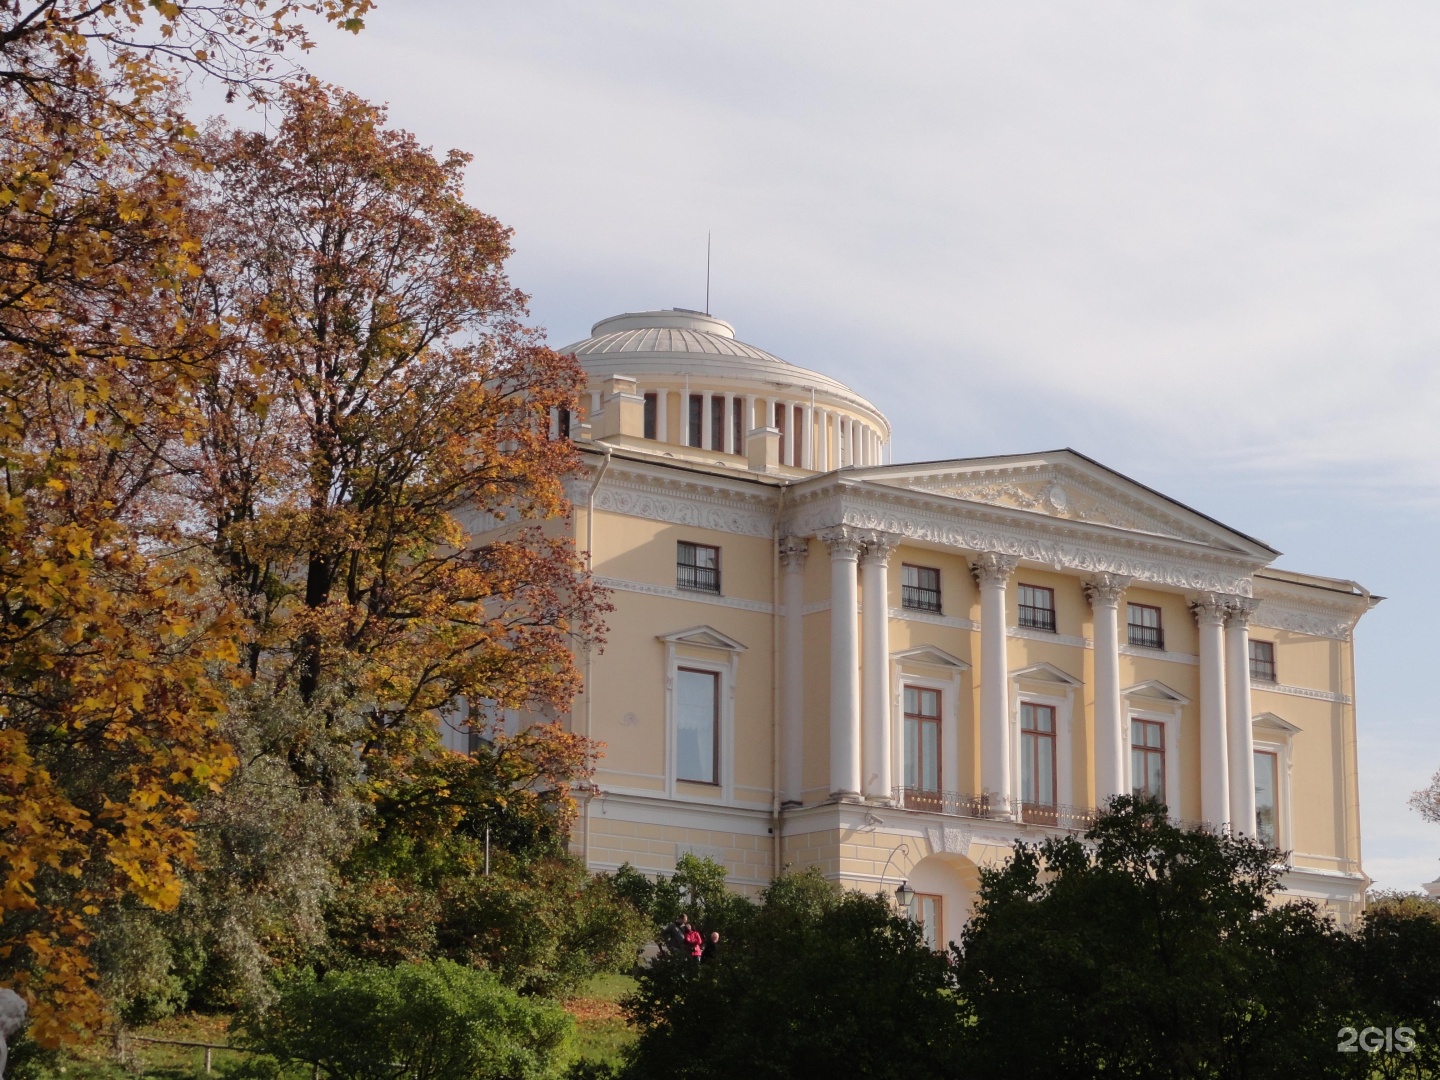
(601, 1031)
(601, 1036)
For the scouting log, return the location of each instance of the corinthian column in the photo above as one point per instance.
(1104, 593)
(844, 546)
(992, 571)
(1237, 711)
(1210, 612)
(875, 662)
(793, 552)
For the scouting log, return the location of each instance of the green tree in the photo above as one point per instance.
(697, 889)
(431, 1021)
(1150, 951)
(1395, 962)
(818, 983)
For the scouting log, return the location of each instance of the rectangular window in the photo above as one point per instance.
(697, 566)
(919, 588)
(1262, 661)
(717, 422)
(796, 458)
(564, 426)
(780, 425)
(929, 912)
(1147, 759)
(1145, 628)
(740, 420)
(696, 418)
(1037, 757)
(1267, 798)
(1037, 607)
(697, 725)
(652, 407)
(922, 739)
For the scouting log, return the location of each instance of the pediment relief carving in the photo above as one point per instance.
(1067, 497)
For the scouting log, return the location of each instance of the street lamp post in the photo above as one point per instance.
(903, 893)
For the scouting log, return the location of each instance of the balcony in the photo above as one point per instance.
(953, 804)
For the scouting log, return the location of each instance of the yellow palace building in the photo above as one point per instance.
(819, 657)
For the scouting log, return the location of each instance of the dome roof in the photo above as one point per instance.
(684, 343)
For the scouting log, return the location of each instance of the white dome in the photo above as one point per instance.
(680, 343)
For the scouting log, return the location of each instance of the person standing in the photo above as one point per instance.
(696, 944)
(711, 951)
(675, 936)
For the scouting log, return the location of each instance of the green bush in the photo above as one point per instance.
(430, 1021)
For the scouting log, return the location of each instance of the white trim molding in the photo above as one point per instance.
(1046, 684)
(726, 665)
(1160, 704)
(693, 596)
(1274, 735)
(1300, 691)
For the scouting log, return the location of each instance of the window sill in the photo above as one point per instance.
(694, 589)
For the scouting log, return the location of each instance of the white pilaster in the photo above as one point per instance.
(793, 552)
(844, 546)
(662, 415)
(834, 459)
(992, 571)
(1210, 611)
(1241, 742)
(1104, 592)
(875, 664)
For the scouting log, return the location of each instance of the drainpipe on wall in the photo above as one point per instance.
(775, 617)
(589, 696)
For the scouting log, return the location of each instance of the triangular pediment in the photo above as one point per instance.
(929, 654)
(1045, 673)
(1268, 721)
(1155, 690)
(706, 637)
(1066, 485)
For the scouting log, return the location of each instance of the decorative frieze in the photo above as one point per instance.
(915, 523)
(1278, 615)
(702, 505)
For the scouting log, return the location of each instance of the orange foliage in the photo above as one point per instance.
(107, 716)
(385, 394)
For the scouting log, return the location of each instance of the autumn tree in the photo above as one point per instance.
(379, 405)
(384, 399)
(107, 706)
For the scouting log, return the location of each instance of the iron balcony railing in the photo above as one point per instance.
(917, 598)
(701, 578)
(1037, 618)
(1055, 816)
(954, 804)
(1148, 637)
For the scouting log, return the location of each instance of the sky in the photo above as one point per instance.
(1197, 241)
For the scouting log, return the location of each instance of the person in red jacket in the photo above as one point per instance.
(695, 942)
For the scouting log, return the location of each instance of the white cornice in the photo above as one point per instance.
(1300, 691)
(661, 494)
(1060, 545)
(1314, 620)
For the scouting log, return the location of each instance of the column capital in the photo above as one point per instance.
(844, 542)
(1239, 611)
(879, 546)
(1210, 609)
(992, 568)
(794, 550)
(1105, 590)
